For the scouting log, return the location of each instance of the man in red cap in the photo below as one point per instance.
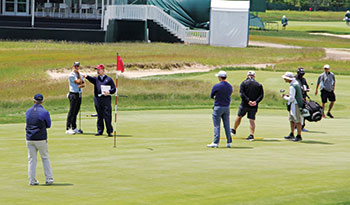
(103, 87)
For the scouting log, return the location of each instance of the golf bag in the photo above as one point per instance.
(312, 111)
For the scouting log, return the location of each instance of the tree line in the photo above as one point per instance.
(314, 5)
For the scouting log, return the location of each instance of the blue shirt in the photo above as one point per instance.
(221, 92)
(73, 87)
(37, 120)
(97, 81)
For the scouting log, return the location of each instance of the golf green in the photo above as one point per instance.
(162, 158)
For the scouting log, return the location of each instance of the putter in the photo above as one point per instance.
(91, 115)
(80, 130)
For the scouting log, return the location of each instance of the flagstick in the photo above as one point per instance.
(115, 106)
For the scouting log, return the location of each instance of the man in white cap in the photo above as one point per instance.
(252, 93)
(221, 92)
(294, 104)
(284, 22)
(347, 17)
(327, 82)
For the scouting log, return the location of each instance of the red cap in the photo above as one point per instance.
(100, 67)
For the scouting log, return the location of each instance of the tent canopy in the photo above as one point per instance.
(190, 13)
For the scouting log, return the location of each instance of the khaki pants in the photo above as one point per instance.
(33, 147)
(295, 114)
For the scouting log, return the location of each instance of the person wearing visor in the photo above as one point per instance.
(326, 81)
(76, 83)
(252, 94)
(221, 92)
(103, 88)
(304, 89)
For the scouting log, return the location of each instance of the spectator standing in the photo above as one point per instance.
(252, 93)
(326, 81)
(76, 83)
(37, 121)
(221, 92)
(284, 22)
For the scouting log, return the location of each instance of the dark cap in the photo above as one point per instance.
(100, 67)
(301, 71)
(76, 64)
(38, 97)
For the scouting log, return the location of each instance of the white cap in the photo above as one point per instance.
(221, 74)
(288, 75)
(326, 66)
(347, 11)
(251, 73)
(284, 16)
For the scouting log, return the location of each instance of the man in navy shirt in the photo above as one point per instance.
(221, 92)
(252, 93)
(37, 120)
(103, 87)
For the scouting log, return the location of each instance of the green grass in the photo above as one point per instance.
(315, 16)
(299, 38)
(161, 158)
(23, 65)
(183, 91)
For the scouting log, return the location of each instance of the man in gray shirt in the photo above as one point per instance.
(327, 82)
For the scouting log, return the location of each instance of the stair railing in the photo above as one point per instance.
(145, 12)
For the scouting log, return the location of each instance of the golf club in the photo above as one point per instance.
(80, 131)
(282, 91)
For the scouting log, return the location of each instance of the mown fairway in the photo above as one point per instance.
(161, 158)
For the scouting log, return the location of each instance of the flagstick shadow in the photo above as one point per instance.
(120, 136)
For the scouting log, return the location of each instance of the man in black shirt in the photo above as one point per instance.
(252, 93)
(304, 89)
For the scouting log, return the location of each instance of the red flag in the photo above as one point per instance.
(120, 64)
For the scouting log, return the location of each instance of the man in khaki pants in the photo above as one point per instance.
(37, 120)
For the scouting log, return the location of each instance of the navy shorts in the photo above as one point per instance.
(327, 95)
(242, 110)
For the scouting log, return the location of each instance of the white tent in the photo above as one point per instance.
(229, 23)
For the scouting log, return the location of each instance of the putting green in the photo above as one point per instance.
(161, 158)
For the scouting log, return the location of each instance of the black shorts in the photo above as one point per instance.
(327, 95)
(242, 110)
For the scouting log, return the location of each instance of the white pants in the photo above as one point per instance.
(33, 147)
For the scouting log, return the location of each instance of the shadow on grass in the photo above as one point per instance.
(240, 148)
(57, 184)
(105, 135)
(315, 142)
(316, 132)
(120, 136)
(267, 140)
